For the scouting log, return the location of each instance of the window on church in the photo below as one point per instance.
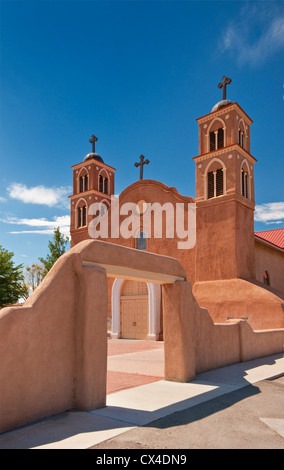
(141, 242)
(212, 141)
(101, 184)
(216, 139)
(86, 182)
(244, 183)
(219, 182)
(84, 216)
(81, 184)
(105, 185)
(210, 184)
(81, 216)
(215, 183)
(241, 138)
(220, 138)
(266, 278)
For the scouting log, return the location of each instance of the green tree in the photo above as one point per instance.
(57, 247)
(11, 279)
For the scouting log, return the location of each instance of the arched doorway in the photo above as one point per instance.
(153, 298)
(134, 310)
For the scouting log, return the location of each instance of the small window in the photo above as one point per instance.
(212, 141)
(86, 181)
(219, 182)
(81, 216)
(81, 184)
(106, 186)
(84, 216)
(141, 242)
(216, 139)
(210, 184)
(220, 138)
(101, 184)
(241, 138)
(215, 186)
(244, 184)
(266, 278)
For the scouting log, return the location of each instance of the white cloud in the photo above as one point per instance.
(40, 194)
(256, 34)
(2, 199)
(268, 213)
(47, 226)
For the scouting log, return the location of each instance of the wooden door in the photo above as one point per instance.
(134, 312)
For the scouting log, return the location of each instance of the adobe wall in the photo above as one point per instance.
(218, 345)
(271, 260)
(241, 299)
(259, 343)
(194, 343)
(43, 345)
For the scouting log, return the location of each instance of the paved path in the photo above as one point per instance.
(133, 363)
(133, 408)
(250, 417)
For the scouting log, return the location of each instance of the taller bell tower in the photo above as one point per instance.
(225, 193)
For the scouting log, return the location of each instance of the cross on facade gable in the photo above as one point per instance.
(225, 81)
(141, 164)
(92, 141)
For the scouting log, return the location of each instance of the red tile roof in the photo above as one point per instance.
(275, 237)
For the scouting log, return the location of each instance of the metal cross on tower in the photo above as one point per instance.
(92, 141)
(141, 164)
(225, 81)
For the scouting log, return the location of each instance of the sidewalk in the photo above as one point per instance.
(138, 395)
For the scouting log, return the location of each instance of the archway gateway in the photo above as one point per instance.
(179, 305)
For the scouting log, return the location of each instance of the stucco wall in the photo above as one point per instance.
(271, 260)
(218, 345)
(43, 345)
(241, 299)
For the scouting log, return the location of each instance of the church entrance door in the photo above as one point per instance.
(134, 310)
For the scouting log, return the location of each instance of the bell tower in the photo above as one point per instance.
(225, 193)
(93, 182)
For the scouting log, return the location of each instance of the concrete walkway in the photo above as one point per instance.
(137, 397)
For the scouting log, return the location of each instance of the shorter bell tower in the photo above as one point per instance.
(93, 182)
(225, 193)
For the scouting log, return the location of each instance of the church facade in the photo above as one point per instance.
(235, 273)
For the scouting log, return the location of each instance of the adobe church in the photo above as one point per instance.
(235, 273)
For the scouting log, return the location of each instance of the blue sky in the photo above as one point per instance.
(137, 74)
